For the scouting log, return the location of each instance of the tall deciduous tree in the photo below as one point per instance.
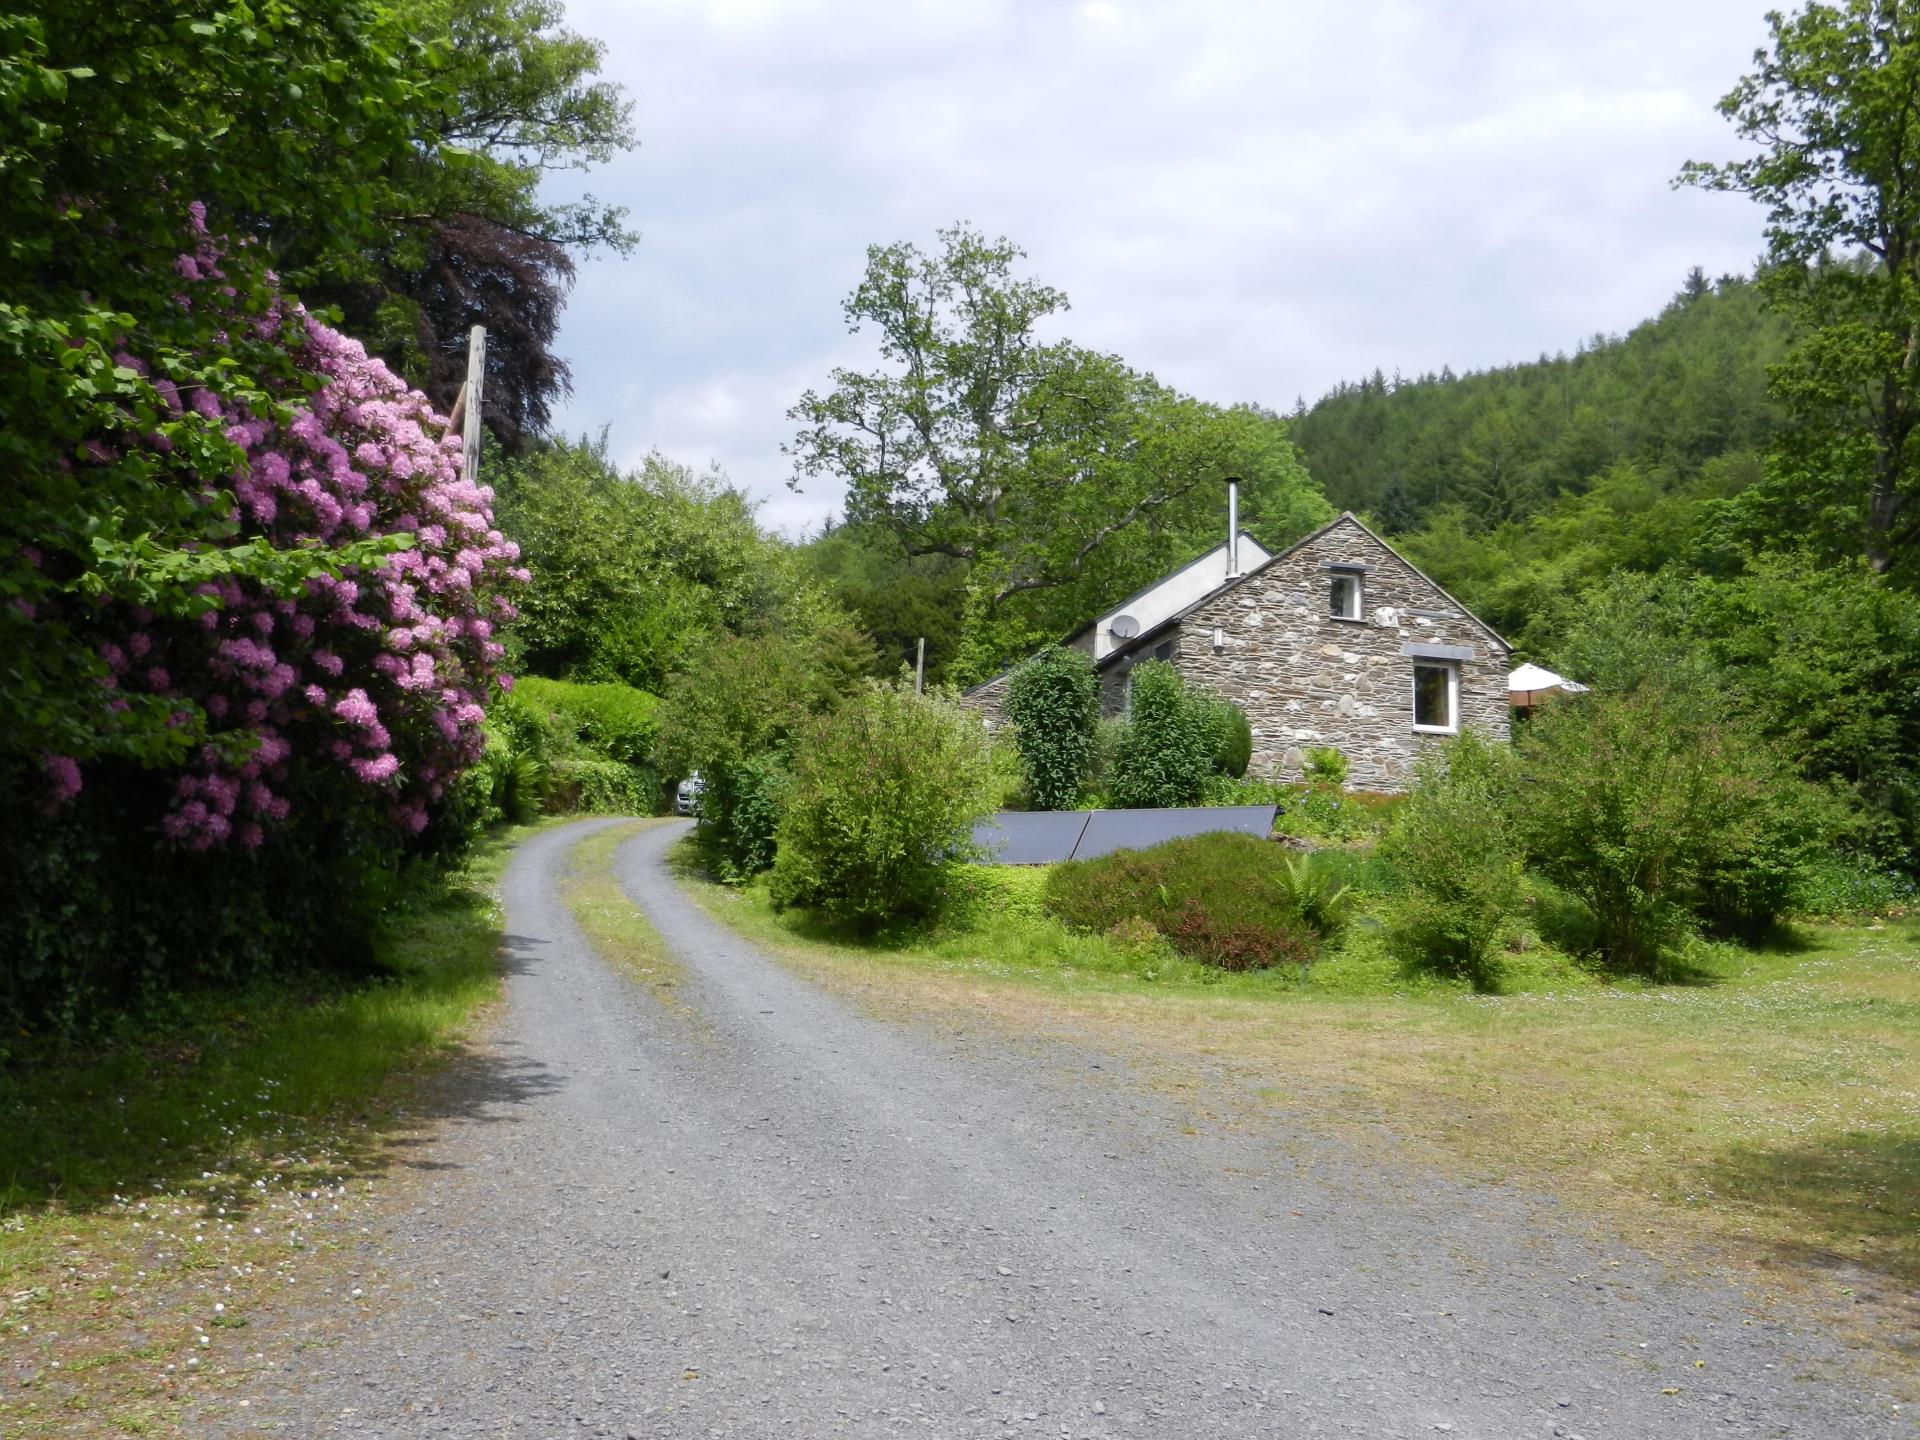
(1834, 105)
(1041, 465)
(466, 238)
(636, 574)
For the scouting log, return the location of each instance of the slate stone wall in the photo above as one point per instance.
(1305, 678)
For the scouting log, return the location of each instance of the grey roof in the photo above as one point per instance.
(1073, 635)
(1123, 652)
(1152, 586)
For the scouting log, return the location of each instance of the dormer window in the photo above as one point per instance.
(1346, 593)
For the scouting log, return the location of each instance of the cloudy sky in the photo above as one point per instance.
(1253, 201)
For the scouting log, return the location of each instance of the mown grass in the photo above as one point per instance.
(158, 1185)
(1771, 1107)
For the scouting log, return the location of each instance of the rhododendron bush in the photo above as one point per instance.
(261, 616)
(374, 673)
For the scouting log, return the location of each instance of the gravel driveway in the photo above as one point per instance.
(753, 1211)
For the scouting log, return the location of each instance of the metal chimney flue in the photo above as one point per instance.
(1233, 527)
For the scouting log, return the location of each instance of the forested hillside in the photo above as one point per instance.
(1677, 393)
(1518, 487)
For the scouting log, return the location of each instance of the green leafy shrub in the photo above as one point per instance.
(1107, 736)
(1326, 812)
(1453, 848)
(615, 721)
(1226, 900)
(1009, 773)
(1653, 808)
(96, 918)
(983, 897)
(511, 781)
(578, 746)
(1325, 766)
(1563, 919)
(745, 697)
(1233, 740)
(1770, 841)
(1365, 872)
(1317, 895)
(739, 813)
(1053, 701)
(884, 796)
(593, 786)
(1846, 887)
(733, 719)
(1226, 790)
(528, 729)
(1165, 753)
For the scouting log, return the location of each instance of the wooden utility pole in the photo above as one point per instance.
(919, 664)
(474, 392)
(466, 405)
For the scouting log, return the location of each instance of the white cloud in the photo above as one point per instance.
(1252, 200)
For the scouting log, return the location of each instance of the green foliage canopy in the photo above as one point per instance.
(1654, 809)
(635, 575)
(1680, 403)
(1834, 107)
(1824, 660)
(1058, 476)
(111, 120)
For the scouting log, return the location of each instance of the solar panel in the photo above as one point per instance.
(1110, 830)
(1046, 837)
(1030, 837)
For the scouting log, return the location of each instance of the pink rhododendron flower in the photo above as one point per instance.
(378, 769)
(64, 773)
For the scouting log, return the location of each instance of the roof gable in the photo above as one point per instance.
(1346, 518)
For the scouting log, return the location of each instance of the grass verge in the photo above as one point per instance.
(618, 932)
(158, 1191)
(1771, 1109)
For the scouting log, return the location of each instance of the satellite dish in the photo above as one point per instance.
(1124, 627)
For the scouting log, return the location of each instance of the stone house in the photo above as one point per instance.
(1336, 640)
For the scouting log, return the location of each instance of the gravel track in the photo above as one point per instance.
(754, 1212)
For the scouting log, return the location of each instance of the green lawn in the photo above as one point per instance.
(213, 1157)
(1770, 1109)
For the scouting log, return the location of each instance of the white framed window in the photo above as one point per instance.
(1346, 599)
(1436, 696)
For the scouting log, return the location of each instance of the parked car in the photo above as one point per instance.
(686, 795)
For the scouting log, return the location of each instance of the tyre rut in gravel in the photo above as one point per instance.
(759, 1212)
